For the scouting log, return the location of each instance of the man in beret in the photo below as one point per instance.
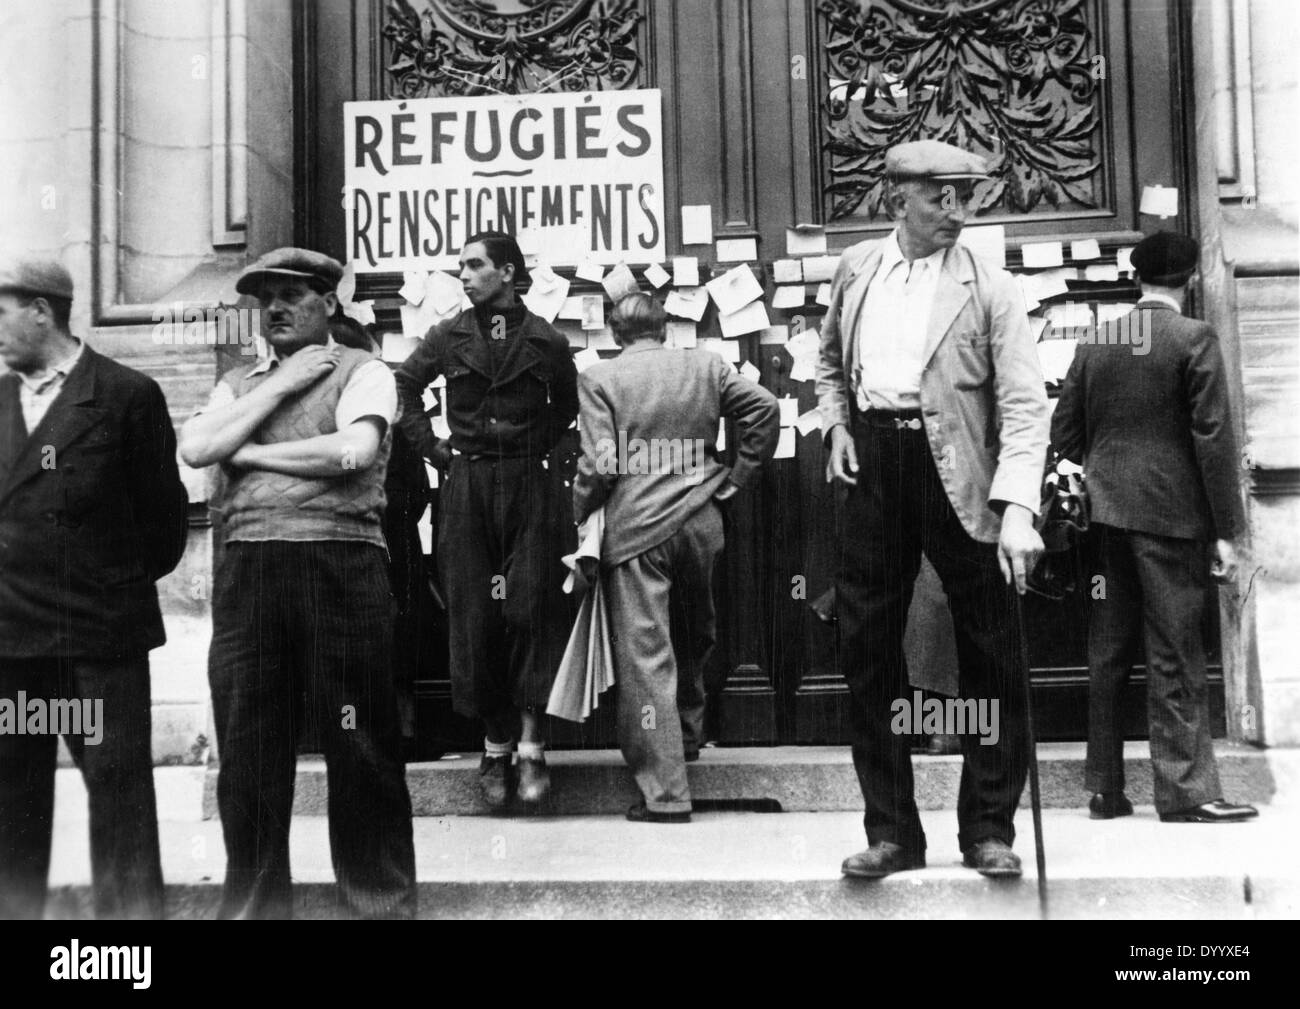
(302, 601)
(1149, 419)
(92, 513)
(511, 393)
(935, 416)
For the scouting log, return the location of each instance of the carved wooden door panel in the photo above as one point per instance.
(777, 113)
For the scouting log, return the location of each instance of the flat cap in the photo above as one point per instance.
(46, 277)
(289, 262)
(932, 159)
(1165, 256)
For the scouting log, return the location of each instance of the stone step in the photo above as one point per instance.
(752, 865)
(783, 778)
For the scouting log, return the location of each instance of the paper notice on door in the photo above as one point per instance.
(734, 290)
(789, 407)
(687, 303)
(785, 444)
(749, 319)
(697, 225)
(656, 275)
(817, 269)
(737, 250)
(686, 271)
(593, 272)
(749, 371)
(584, 359)
(1101, 272)
(805, 240)
(728, 350)
(787, 271)
(790, 296)
(809, 422)
(681, 335)
(593, 312)
(619, 283)
(1085, 248)
(1042, 255)
(989, 242)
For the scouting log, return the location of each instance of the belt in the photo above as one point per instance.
(897, 420)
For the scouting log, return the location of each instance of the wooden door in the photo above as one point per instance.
(777, 113)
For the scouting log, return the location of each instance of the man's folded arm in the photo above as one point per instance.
(592, 484)
(757, 417)
(414, 376)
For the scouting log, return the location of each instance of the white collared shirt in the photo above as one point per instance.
(1163, 298)
(892, 328)
(371, 391)
(37, 392)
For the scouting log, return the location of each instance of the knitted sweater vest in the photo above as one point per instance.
(256, 505)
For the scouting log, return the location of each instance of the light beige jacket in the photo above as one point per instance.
(983, 400)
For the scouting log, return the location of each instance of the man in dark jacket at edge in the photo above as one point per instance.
(92, 513)
(511, 392)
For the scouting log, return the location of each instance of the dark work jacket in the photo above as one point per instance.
(1153, 430)
(522, 411)
(92, 513)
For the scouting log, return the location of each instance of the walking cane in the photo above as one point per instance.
(1035, 797)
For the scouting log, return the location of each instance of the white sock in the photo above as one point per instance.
(497, 749)
(532, 751)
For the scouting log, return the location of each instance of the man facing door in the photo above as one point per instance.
(936, 419)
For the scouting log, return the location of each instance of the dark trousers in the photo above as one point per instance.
(499, 554)
(897, 511)
(1154, 600)
(118, 772)
(662, 619)
(308, 619)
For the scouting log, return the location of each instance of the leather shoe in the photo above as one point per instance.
(881, 859)
(494, 780)
(1217, 811)
(1108, 805)
(534, 779)
(992, 857)
(641, 813)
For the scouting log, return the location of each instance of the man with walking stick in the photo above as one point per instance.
(936, 420)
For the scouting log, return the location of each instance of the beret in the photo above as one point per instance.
(290, 262)
(931, 159)
(1166, 255)
(46, 277)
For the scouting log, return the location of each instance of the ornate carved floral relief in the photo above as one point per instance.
(476, 47)
(1016, 81)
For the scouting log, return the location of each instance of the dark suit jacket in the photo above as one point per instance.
(649, 426)
(1153, 430)
(92, 513)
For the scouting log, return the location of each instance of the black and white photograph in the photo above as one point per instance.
(650, 459)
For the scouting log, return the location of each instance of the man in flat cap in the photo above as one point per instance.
(512, 391)
(935, 416)
(92, 513)
(1150, 421)
(302, 601)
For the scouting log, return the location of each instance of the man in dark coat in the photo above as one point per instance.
(511, 393)
(1145, 409)
(92, 513)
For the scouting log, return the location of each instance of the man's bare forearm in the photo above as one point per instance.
(324, 456)
(215, 436)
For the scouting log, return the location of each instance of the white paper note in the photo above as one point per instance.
(734, 289)
(443, 291)
(688, 303)
(774, 336)
(819, 268)
(1122, 262)
(1039, 255)
(804, 369)
(1054, 357)
(1101, 271)
(584, 359)
(593, 312)
(347, 285)
(428, 398)
(785, 444)
(697, 225)
(1085, 248)
(787, 271)
(790, 296)
(413, 286)
(749, 319)
(809, 422)
(686, 271)
(749, 371)
(1049, 283)
(602, 339)
(824, 295)
(805, 343)
(1159, 201)
(1072, 314)
(590, 271)
(789, 407)
(722, 434)
(571, 309)
(728, 350)
(989, 242)
(736, 250)
(362, 311)
(656, 275)
(805, 240)
(397, 348)
(547, 295)
(619, 283)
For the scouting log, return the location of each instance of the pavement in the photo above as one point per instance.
(729, 863)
